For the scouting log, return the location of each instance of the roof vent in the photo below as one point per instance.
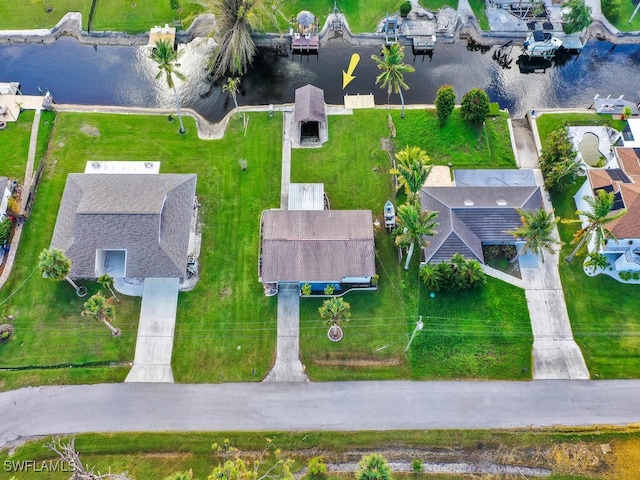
(468, 203)
(501, 202)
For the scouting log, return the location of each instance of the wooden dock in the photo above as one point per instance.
(423, 44)
(305, 44)
(359, 101)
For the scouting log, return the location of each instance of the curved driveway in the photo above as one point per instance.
(315, 406)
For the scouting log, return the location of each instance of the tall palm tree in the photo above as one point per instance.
(107, 282)
(167, 59)
(335, 310)
(393, 70)
(471, 273)
(412, 170)
(54, 264)
(101, 308)
(537, 232)
(598, 216)
(231, 87)
(414, 225)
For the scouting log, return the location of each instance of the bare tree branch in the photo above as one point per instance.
(67, 452)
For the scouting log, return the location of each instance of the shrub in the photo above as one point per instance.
(5, 230)
(416, 466)
(445, 102)
(458, 274)
(578, 18)
(405, 8)
(317, 468)
(474, 106)
(373, 467)
(306, 289)
(626, 275)
(329, 289)
(175, 5)
(611, 8)
(558, 161)
(6, 330)
(13, 206)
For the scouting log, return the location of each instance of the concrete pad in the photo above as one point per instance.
(154, 345)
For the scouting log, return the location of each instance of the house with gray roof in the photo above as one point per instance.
(319, 247)
(471, 213)
(126, 225)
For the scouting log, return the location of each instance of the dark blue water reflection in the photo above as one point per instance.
(124, 76)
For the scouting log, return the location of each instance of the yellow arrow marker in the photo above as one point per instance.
(348, 76)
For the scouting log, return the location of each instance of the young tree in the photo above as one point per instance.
(167, 58)
(611, 8)
(335, 311)
(412, 170)
(231, 87)
(262, 467)
(414, 225)
(432, 276)
(596, 260)
(578, 18)
(54, 264)
(445, 102)
(106, 281)
(474, 106)
(558, 161)
(598, 216)
(393, 70)
(537, 232)
(373, 467)
(102, 310)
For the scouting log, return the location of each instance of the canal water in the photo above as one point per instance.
(82, 74)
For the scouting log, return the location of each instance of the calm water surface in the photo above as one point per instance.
(125, 76)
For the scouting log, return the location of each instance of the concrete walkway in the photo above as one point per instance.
(288, 367)
(555, 353)
(152, 362)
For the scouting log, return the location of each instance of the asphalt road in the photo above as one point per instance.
(315, 406)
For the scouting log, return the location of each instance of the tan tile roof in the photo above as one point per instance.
(630, 162)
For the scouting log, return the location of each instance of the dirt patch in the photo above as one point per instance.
(225, 292)
(386, 145)
(581, 459)
(627, 458)
(90, 130)
(363, 362)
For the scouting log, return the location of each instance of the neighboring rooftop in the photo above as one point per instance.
(309, 104)
(306, 196)
(317, 246)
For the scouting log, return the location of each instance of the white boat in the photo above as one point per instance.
(541, 44)
(389, 215)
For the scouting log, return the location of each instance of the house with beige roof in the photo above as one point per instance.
(318, 247)
(624, 183)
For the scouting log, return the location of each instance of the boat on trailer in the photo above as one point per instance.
(389, 215)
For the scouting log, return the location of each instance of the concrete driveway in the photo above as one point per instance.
(152, 362)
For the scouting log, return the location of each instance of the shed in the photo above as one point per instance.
(309, 113)
(306, 196)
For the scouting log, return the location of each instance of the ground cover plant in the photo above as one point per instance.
(602, 311)
(354, 169)
(568, 453)
(225, 310)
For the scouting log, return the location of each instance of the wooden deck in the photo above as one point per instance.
(305, 45)
(423, 43)
(359, 101)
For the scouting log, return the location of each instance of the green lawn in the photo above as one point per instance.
(569, 453)
(226, 310)
(135, 16)
(33, 13)
(354, 169)
(603, 312)
(621, 21)
(479, 8)
(458, 142)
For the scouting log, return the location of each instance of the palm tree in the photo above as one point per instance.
(101, 308)
(412, 170)
(414, 225)
(598, 215)
(596, 260)
(432, 276)
(472, 274)
(393, 70)
(335, 310)
(107, 282)
(537, 232)
(231, 87)
(166, 58)
(54, 264)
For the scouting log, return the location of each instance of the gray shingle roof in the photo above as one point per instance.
(317, 246)
(309, 104)
(147, 215)
(469, 216)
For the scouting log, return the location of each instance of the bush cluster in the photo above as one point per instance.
(458, 274)
(630, 275)
(405, 8)
(558, 161)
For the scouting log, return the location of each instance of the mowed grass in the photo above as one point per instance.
(135, 16)
(603, 312)
(478, 333)
(28, 14)
(355, 169)
(225, 310)
(457, 142)
(573, 453)
(621, 20)
(479, 8)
